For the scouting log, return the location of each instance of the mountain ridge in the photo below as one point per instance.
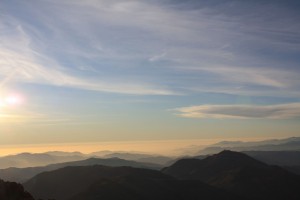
(102, 182)
(241, 174)
(287, 144)
(13, 191)
(23, 174)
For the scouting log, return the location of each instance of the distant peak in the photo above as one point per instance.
(232, 154)
(229, 152)
(240, 159)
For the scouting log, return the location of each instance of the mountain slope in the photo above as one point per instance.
(210, 167)
(13, 191)
(161, 160)
(281, 158)
(116, 183)
(66, 182)
(241, 174)
(293, 169)
(24, 174)
(156, 159)
(141, 188)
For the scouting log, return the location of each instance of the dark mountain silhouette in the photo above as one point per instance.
(23, 174)
(13, 191)
(211, 166)
(293, 169)
(241, 174)
(143, 188)
(36, 159)
(280, 158)
(116, 183)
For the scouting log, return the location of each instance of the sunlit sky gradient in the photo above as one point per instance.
(147, 70)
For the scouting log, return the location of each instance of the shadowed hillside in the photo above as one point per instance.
(116, 183)
(13, 191)
(156, 159)
(281, 158)
(241, 174)
(24, 174)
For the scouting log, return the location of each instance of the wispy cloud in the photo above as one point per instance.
(18, 68)
(117, 42)
(21, 63)
(279, 111)
(157, 57)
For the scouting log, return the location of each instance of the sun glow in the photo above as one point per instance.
(11, 100)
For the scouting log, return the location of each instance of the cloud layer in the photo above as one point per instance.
(279, 111)
(138, 47)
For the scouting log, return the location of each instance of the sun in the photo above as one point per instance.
(11, 100)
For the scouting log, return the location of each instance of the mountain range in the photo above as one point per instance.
(35, 159)
(116, 183)
(281, 158)
(240, 174)
(24, 174)
(156, 159)
(52, 157)
(287, 144)
(24, 160)
(253, 174)
(226, 175)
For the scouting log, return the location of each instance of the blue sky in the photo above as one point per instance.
(124, 70)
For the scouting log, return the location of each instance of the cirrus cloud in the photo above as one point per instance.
(138, 47)
(278, 111)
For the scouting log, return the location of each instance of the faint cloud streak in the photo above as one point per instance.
(112, 38)
(279, 111)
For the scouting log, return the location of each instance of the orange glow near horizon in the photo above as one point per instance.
(162, 147)
(156, 147)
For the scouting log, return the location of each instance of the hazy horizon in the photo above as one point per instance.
(117, 72)
(156, 147)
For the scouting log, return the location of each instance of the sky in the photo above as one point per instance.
(75, 71)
